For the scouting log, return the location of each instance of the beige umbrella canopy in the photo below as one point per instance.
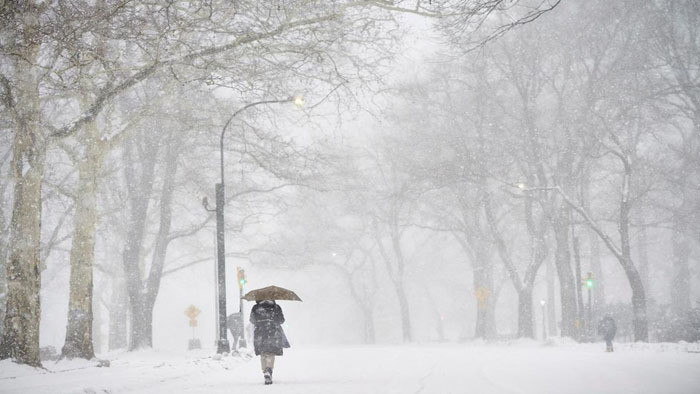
(271, 293)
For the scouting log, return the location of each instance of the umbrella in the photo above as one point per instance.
(271, 293)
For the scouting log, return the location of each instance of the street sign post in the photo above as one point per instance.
(192, 312)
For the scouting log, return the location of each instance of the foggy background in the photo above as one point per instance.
(377, 185)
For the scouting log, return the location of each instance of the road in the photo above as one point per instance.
(521, 367)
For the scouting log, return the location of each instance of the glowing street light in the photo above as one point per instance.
(298, 101)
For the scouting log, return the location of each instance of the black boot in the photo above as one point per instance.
(268, 375)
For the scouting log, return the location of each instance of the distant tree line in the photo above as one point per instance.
(111, 111)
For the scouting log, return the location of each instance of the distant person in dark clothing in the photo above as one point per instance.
(607, 328)
(235, 326)
(268, 336)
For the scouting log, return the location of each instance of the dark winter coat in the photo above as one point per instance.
(607, 328)
(235, 324)
(268, 336)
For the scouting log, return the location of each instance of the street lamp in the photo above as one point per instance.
(298, 101)
(222, 343)
(544, 322)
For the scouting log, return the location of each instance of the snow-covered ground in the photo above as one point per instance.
(518, 367)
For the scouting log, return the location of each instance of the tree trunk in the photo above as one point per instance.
(526, 326)
(524, 287)
(3, 256)
(78, 341)
(639, 303)
(134, 293)
(364, 304)
(551, 300)
(118, 314)
(525, 318)
(139, 196)
(485, 301)
(97, 338)
(396, 275)
(369, 335)
(141, 333)
(399, 281)
(4, 233)
(680, 279)
(562, 261)
(162, 240)
(20, 339)
(642, 252)
(597, 270)
(594, 242)
(482, 273)
(403, 309)
(439, 326)
(623, 255)
(581, 323)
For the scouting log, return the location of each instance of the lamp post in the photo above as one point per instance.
(589, 287)
(222, 345)
(544, 321)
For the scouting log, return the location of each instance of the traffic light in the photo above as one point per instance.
(241, 277)
(589, 280)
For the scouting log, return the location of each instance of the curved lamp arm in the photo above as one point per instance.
(297, 100)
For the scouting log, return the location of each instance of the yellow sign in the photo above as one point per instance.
(192, 312)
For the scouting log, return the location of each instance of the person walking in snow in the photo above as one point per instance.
(607, 328)
(234, 322)
(268, 336)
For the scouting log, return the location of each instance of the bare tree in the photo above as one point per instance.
(326, 231)
(676, 50)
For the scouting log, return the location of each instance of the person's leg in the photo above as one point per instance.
(267, 362)
(263, 361)
(271, 362)
(608, 345)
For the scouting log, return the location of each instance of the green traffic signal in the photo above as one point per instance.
(241, 277)
(589, 283)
